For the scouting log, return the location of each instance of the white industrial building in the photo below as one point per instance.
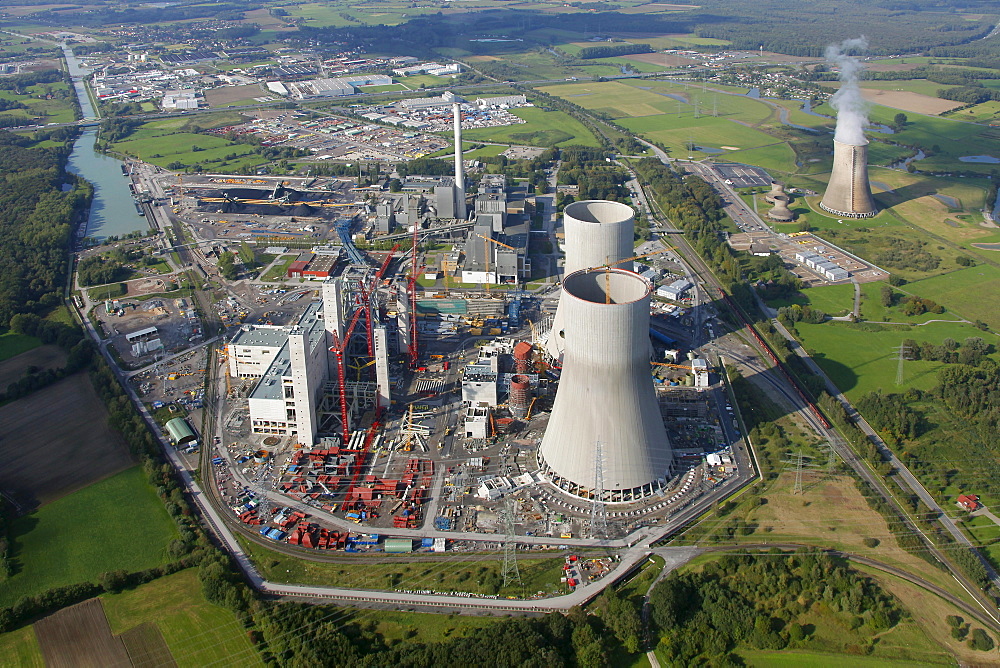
(479, 382)
(822, 266)
(334, 87)
(179, 99)
(292, 365)
(503, 101)
(675, 290)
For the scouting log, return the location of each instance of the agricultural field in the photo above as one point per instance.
(232, 96)
(48, 102)
(197, 632)
(166, 142)
(974, 292)
(117, 523)
(72, 445)
(42, 357)
(542, 128)
(80, 635)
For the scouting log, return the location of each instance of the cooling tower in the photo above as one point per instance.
(848, 193)
(780, 212)
(598, 232)
(606, 392)
(776, 189)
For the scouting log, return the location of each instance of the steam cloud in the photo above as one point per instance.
(852, 110)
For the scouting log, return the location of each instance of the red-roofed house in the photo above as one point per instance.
(968, 501)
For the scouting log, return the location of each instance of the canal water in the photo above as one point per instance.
(113, 210)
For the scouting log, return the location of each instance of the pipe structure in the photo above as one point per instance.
(849, 194)
(606, 393)
(598, 232)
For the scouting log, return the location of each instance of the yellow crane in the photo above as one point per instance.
(486, 252)
(673, 366)
(609, 264)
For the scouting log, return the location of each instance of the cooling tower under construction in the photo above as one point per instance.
(849, 193)
(597, 232)
(606, 392)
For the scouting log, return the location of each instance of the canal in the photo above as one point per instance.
(113, 211)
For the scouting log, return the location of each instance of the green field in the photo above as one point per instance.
(795, 658)
(973, 292)
(12, 344)
(20, 649)
(279, 270)
(197, 632)
(448, 575)
(169, 140)
(61, 108)
(117, 523)
(543, 128)
(861, 358)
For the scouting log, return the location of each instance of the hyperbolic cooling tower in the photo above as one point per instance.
(606, 392)
(598, 232)
(849, 193)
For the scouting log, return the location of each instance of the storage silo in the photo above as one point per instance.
(606, 392)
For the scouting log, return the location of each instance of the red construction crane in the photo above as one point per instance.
(413, 300)
(338, 348)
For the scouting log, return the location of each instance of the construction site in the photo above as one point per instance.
(375, 415)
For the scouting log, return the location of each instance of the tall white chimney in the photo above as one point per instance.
(456, 111)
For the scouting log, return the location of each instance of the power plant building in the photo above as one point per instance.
(291, 363)
(606, 402)
(849, 193)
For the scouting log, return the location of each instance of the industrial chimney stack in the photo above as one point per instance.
(849, 194)
(606, 393)
(456, 110)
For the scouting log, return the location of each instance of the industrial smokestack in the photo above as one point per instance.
(606, 392)
(456, 111)
(849, 194)
(598, 232)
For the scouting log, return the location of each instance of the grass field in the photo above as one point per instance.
(58, 109)
(117, 523)
(12, 344)
(542, 128)
(537, 574)
(974, 292)
(796, 658)
(860, 358)
(197, 632)
(19, 649)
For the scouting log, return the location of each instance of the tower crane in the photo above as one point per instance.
(609, 264)
(486, 251)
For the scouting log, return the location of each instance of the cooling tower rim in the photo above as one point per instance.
(620, 274)
(847, 143)
(590, 207)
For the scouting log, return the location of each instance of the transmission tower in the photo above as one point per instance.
(903, 351)
(598, 512)
(800, 462)
(509, 572)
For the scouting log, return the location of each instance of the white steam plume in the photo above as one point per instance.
(852, 110)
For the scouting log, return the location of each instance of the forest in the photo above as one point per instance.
(761, 601)
(37, 225)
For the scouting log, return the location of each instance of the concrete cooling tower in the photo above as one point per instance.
(597, 232)
(606, 392)
(849, 193)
